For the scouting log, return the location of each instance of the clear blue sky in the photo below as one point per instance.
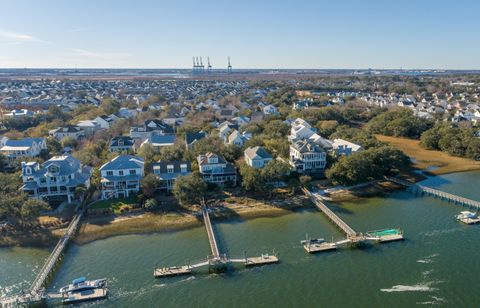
(254, 33)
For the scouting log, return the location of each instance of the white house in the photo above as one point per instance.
(238, 139)
(106, 121)
(27, 147)
(70, 131)
(257, 157)
(89, 127)
(121, 176)
(270, 110)
(343, 147)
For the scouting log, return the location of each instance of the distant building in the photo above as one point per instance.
(215, 169)
(18, 113)
(89, 127)
(150, 128)
(257, 157)
(56, 179)
(121, 176)
(122, 144)
(106, 121)
(238, 139)
(27, 147)
(70, 131)
(168, 171)
(307, 157)
(270, 110)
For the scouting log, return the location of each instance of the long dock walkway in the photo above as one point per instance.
(352, 235)
(36, 291)
(211, 236)
(417, 188)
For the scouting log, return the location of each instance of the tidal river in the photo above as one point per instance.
(437, 264)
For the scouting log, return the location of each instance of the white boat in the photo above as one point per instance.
(466, 215)
(82, 284)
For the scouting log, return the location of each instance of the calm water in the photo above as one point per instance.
(437, 264)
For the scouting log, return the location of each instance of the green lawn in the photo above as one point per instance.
(115, 204)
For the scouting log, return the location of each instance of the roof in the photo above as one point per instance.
(353, 146)
(162, 140)
(22, 143)
(203, 159)
(257, 152)
(161, 166)
(306, 145)
(127, 141)
(123, 162)
(192, 137)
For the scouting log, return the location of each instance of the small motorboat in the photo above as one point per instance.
(82, 284)
(466, 215)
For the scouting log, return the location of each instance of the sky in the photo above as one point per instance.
(316, 34)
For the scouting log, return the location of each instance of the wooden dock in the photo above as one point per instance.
(88, 295)
(172, 271)
(211, 236)
(352, 235)
(37, 292)
(320, 247)
(257, 261)
(416, 188)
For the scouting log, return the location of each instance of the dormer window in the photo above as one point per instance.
(183, 168)
(169, 168)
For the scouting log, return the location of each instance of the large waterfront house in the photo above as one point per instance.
(121, 176)
(150, 128)
(67, 131)
(55, 179)
(215, 169)
(257, 157)
(168, 171)
(122, 144)
(306, 156)
(27, 147)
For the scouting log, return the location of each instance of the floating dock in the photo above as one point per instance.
(320, 247)
(258, 261)
(385, 235)
(172, 271)
(87, 295)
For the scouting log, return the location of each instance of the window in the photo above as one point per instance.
(109, 173)
(133, 172)
(120, 173)
(183, 168)
(169, 168)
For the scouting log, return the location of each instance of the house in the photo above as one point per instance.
(215, 169)
(18, 113)
(192, 138)
(27, 147)
(241, 120)
(306, 156)
(225, 129)
(56, 179)
(89, 127)
(121, 177)
(304, 104)
(160, 141)
(270, 110)
(70, 131)
(106, 121)
(150, 128)
(127, 113)
(168, 171)
(238, 139)
(257, 157)
(343, 147)
(173, 117)
(121, 144)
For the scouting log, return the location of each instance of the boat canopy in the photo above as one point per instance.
(79, 280)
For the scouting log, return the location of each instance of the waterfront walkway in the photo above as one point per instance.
(351, 234)
(417, 188)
